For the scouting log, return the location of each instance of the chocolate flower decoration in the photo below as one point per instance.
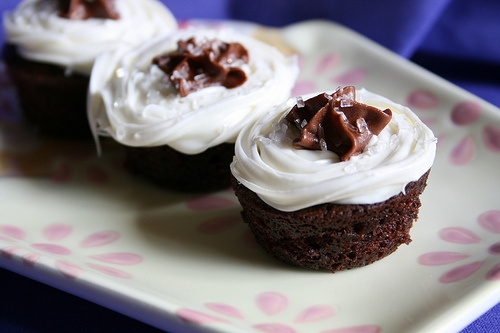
(194, 66)
(84, 9)
(337, 123)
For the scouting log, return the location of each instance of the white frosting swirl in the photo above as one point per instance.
(289, 179)
(42, 35)
(133, 101)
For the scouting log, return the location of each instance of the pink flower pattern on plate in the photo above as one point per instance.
(327, 62)
(57, 232)
(271, 305)
(491, 138)
(221, 223)
(303, 87)
(461, 114)
(463, 152)
(422, 99)
(350, 77)
(465, 113)
(489, 221)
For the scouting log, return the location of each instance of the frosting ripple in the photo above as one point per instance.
(41, 34)
(290, 179)
(133, 101)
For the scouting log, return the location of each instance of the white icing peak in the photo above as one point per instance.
(289, 179)
(42, 35)
(133, 101)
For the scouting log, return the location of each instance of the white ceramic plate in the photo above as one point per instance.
(180, 262)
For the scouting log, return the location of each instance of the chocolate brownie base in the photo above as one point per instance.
(168, 168)
(52, 101)
(331, 236)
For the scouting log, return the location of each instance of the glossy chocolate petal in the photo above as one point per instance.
(337, 123)
(196, 65)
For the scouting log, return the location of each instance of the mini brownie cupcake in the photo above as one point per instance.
(334, 181)
(51, 46)
(177, 103)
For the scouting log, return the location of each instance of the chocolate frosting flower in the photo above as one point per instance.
(196, 65)
(337, 122)
(84, 9)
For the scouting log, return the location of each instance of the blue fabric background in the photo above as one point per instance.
(457, 39)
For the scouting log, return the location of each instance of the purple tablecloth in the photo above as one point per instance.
(456, 39)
